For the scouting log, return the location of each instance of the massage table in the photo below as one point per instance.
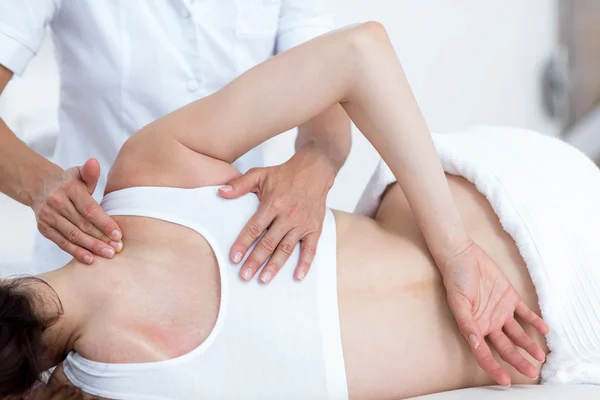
(520, 392)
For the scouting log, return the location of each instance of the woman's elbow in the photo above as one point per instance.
(363, 38)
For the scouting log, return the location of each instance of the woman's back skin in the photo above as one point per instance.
(161, 298)
(399, 337)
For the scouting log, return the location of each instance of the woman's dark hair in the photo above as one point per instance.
(22, 324)
(53, 391)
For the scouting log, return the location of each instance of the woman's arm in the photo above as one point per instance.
(356, 67)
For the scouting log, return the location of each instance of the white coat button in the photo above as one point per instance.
(193, 85)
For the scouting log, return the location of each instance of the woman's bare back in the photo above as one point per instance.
(399, 337)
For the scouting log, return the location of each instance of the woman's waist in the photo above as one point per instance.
(391, 291)
(376, 265)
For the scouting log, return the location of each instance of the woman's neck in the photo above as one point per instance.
(63, 296)
(83, 290)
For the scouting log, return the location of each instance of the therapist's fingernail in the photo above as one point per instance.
(247, 273)
(237, 257)
(226, 188)
(266, 277)
(474, 340)
(118, 246)
(116, 235)
(108, 253)
(301, 275)
(87, 259)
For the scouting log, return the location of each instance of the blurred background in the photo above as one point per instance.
(532, 64)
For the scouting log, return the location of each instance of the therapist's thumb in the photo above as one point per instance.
(90, 172)
(246, 183)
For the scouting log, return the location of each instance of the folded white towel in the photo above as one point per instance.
(371, 198)
(547, 197)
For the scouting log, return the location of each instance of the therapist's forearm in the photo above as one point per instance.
(328, 134)
(21, 169)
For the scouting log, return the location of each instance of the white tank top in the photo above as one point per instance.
(276, 341)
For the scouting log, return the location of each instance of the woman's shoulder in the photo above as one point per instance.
(149, 159)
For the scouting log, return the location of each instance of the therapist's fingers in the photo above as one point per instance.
(509, 353)
(265, 247)
(74, 235)
(253, 230)
(96, 240)
(89, 174)
(92, 212)
(77, 252)
(308, 250)
(249, 182)
(82, 233)
(281, 255)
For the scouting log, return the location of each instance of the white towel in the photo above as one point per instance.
(547, 197)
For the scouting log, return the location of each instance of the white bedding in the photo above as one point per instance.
(518, 392)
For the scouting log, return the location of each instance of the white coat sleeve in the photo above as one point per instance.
(302, 20)
(23, 26)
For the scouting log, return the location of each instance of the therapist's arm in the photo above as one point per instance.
(328, 134)
(293, 195)
(65, 211)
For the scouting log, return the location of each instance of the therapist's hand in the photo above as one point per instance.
(485, 304)
(67, 214)
(292, 208)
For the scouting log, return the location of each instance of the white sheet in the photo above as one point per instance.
(518, 392)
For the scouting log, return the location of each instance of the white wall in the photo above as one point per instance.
(468, 61)
(28, 105)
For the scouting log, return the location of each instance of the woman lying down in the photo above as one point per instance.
(170, 318)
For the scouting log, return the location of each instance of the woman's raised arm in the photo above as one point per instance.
(356, 67)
